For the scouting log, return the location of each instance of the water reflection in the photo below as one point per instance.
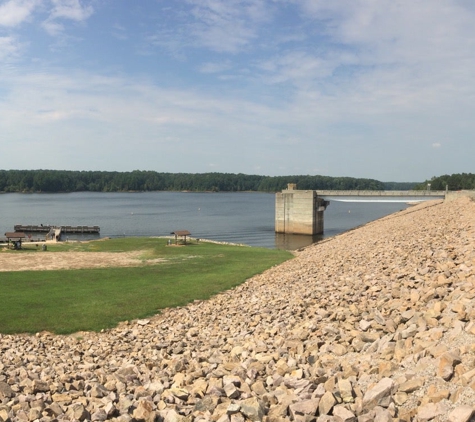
(293, 242)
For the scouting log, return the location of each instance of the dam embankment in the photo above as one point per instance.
(376, 324)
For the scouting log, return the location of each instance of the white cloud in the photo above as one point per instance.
(227, 26)
(52, 27)
(366, 58)
(65, 10)
(216, 67)
(70, 9)
(298, 67)
(91, 111)
(9, 47)
(120, 32)
(15, 12)
(223, 26)
(436, 145)
(391, 31)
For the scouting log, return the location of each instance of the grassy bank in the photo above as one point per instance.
(66, 301)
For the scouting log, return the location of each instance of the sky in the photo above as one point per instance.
(381, 89)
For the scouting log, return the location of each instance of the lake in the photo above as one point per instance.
(246, 218)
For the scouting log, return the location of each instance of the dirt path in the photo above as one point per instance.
(25, 261)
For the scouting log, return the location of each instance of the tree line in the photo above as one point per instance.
(29, 181)
(456, 181)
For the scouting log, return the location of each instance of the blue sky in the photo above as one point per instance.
(362, 88)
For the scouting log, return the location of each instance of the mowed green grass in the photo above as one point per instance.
(67, 301)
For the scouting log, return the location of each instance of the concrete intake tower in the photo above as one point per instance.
(299, 211)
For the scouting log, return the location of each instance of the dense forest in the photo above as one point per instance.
(456, 181)
(104, 181)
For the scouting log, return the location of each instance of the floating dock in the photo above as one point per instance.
(63, 229)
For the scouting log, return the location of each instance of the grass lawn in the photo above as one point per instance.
(66, 301)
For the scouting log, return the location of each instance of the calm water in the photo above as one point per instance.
(228, 217)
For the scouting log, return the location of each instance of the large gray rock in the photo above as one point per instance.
(461, 414)
(326, 403)
(342, 414)
(5, 390)
(379, 394)
(252, 409)
(305, 407)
